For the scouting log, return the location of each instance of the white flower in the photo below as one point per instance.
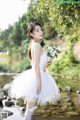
(53, 51)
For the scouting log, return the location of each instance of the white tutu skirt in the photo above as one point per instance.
(24, 86)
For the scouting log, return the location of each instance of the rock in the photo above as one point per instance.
(9, 112)
(67, 89)
(1, 97)
(40, 111)
(1, 104)
(7, 86)
(1, 94)
(60, 89)
(68, 104)
(6, 112)
(68, 100)
(76, 51)
(78, 92)
(8, 102)
(72, 113)
(20, 102)
(23, 110)
(63, 108)
(78, 110)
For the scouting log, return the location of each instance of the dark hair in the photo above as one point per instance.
(31, 29)
(32, 26)
(42, 43)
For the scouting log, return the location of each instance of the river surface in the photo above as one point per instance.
(17, 112)
(19, 115)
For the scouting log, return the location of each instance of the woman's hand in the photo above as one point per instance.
(38, 88)
(47, 64)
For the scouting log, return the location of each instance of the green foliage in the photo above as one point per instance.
(57, 19)
(14, 35)
(4, 68)
(21, 66)
(49, 31)
(64, 63)
(24, 45)
(67, 70)
(64, 18)
(70, 77)
(4, 79)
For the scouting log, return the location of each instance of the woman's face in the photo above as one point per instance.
(37, 33)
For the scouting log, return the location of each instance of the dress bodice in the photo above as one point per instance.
(43, 58)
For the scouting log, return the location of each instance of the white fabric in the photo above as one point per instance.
(25, 85)
(32, 109)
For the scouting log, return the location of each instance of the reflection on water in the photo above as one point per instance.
(19, 115)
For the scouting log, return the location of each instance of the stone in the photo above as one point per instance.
(67, 89)
(78, 92)
(68, 100)
(68, 104)
(60, 89)
(1, 97)
(72, 113)
(1, 105)
(20, 102)
(76, 51)
(8, 103)
(7, 86)
(1, 94)
(6, 111)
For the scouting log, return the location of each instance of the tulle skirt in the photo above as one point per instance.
(24, 86)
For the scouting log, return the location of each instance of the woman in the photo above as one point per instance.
(35, 85)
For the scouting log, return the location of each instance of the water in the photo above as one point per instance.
(57, 118)
(19, 115)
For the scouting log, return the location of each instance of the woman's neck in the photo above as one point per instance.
(36, 41)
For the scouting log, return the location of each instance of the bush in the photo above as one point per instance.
(68, 71)
(3, 68)
(21, 66)
(62, 64)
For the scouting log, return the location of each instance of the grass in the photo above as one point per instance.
(68, 76)
(13, 63)
(4, 59)
(4, 79)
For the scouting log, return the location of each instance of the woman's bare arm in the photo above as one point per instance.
(37, 54)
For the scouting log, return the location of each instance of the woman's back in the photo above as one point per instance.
(43, 56)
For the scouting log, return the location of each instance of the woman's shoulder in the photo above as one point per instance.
(36, 45)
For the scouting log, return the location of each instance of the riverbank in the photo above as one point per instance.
(63, 108)
(68, 106)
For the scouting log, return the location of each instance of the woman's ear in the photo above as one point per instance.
(31, 34)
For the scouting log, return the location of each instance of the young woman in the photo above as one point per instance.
(35, 85)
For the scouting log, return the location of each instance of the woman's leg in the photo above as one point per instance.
(30, 108)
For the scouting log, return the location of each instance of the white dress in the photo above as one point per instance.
(24, 85)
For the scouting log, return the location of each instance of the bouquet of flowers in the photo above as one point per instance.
(53, 51)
